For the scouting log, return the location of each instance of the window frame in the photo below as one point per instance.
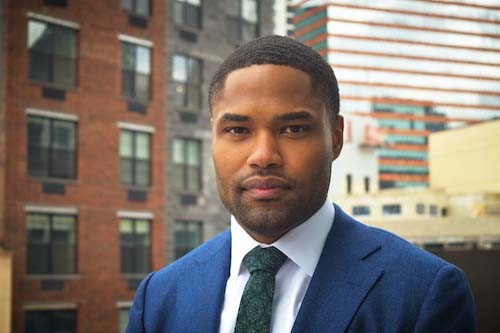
(185, 166)
(51, 24)
(135, 244)
(53, 319)
(182, 22)
(187, 84)
(50, 244)
(181, 251)
(49, 172)
(134, 159)
(133, 97)
(240, 21)
(361, 210)
(133, 10)
(390, 209)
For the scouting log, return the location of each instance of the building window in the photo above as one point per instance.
(51, 147)
(135, 245)
(391, 209)
(420, 209)
(367, 184)
(51, 321)
(124, 317)
(361, 210)
(135, 157)
(188, 13)
(243, 20)
(187, 164)
(186, 79)
(188, 235)
(52, 54)
(51, 244)
(433, 210)
(136, 72)
(137, 7)
(348, 180)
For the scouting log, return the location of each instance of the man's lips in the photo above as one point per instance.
(265, 188)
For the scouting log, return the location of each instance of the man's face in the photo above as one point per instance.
(273, 145)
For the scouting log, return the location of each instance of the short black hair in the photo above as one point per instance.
(280, 50)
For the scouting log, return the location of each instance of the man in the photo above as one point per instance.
(292, 261)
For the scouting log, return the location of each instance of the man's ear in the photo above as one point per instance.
(337, 136)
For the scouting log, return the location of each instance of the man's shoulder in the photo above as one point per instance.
(193, 259)
(393, 249)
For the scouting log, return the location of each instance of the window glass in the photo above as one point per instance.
(194, 71)
(52, 53)
(66, 42)
(249, 10)
(51, 244)
(39, 37)
(124, 317)
(126, 144)
(136, 71)
(143, 60)
(179, 67)
(394, 209)
(127, 4)
(188, 235)
(53, 321)
(63, 136)
(178, 151)
(142, 7)
(39, 131)
(142, 145)
(193, 153)
(38, 228)
(128, 56)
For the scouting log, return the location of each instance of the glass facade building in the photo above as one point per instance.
(411, 67)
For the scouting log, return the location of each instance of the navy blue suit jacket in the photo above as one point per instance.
(367, 280)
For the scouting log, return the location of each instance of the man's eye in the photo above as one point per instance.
(237, 130)
(295, 129)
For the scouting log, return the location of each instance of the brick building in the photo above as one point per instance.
(83, 158)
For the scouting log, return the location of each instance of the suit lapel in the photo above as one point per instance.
(341, 280)
(207, 285)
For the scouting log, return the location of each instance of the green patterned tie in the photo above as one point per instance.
(254, 314)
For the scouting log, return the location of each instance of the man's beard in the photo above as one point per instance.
(273, 218)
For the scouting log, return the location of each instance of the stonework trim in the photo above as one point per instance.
(124, 304)
(49, 306)
(51, 209)
(136, 127)
(135, 40)
(53, 20)
(51, 114)
(135, 215)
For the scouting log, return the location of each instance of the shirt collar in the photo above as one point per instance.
(303, 244)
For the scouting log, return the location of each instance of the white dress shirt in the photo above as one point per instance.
(302, 245)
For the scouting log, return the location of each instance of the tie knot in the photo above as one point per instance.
(268, 259)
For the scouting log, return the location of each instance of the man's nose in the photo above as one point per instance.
(265, 152)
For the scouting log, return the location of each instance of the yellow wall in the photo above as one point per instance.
(5, 290)
(466, 160)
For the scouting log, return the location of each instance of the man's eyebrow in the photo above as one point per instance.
(299, 115)
(233, 117)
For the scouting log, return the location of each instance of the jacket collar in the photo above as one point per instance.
(342, 278)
